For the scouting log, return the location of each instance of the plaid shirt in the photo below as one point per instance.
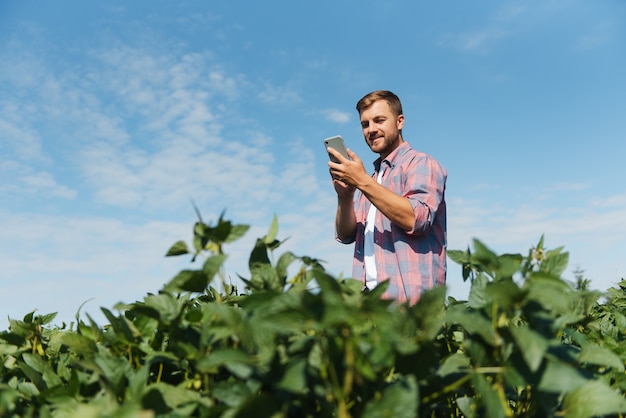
(415, 260)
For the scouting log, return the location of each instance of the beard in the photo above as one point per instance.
(384, 144)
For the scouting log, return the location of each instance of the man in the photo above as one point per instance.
(397, 216)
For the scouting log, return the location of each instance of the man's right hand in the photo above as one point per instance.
(337, 170)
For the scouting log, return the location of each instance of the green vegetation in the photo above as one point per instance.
(526, 343)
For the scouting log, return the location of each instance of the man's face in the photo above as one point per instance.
(381, 128)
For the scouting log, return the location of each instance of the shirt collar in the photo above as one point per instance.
(392, 159)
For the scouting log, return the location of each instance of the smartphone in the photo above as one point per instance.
(336, 143)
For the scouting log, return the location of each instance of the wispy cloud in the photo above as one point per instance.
(616, 201)
(596, 36)
(143, 131)
(337, 116)
(508, 20)
(476, 41)
(282, 95)
(70, 259)
(20, 182)
(566, 186)
(18, 138)
(581, 228)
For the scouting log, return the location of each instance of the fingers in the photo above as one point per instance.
(353, 156)
(343, 170)
(342, 188)
(336, 155)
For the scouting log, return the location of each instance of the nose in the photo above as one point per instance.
(369, 130)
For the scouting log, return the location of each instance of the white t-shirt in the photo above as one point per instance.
(371, 279)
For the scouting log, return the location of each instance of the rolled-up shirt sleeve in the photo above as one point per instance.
(424, 187)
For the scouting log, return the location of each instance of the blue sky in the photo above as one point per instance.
(113, 115)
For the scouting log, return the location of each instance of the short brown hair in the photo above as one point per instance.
(386, 95)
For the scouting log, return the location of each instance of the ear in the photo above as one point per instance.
(400, 122)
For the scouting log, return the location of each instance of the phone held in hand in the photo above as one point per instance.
(336, 143)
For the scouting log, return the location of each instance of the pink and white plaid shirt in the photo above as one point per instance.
(413, 261)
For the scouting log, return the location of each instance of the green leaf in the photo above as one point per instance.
(294, 379)
(40, 365)
(179, 248)
(488, 396)
(508, 265)
(212, 266)
(550, 291)
(28, 318)
(555, 262)
(124, 329)
(231, 393)
(484, 256)
(264, 276)
(352, 291)
(540, 243)
(188, 280)
(472, 321)
(259, 254)
(21, 328)
(478, 296)
(235, 360)
(327, 283)
(13, 338)
(505, 293)
(47, 318)
(532, 345)
(111, 367)
(221, 231)
(398, 400)
(283, 264)
(236, 232)
(458, 256)
(261, 405)
(454, 363)
(77, 343)
(429, 312)
(560, 377)
(199, 236)
(28, 389)
(467, 406)
(137, 380)
(600, 356)
(593, 399)
(166, 305)
(273, 231)
(172, 396)
(377, 292)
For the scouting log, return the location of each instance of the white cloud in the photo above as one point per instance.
(479, 187)
(44, 183)
(337, 116)
(68, 260)
(22, 181)
(17, 138)
(597, 36)
(591, 233)
(72, 259)
(282, 95)
(140, 128)
(508, 20)
(617, 201)
(566, 186)
(476, 41)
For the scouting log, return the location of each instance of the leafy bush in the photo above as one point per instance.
(526, 343)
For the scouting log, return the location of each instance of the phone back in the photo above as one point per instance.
(336, 143)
